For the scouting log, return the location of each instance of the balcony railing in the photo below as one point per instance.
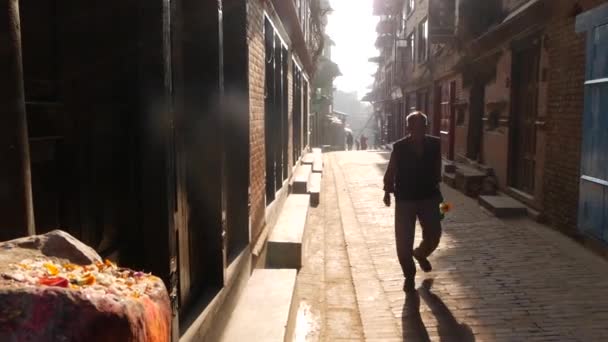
(385, 41)
(386, 26)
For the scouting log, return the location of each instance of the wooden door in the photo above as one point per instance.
(198, 82)
(47, 119)
(475, 129)
(447, 98)
(522, 168)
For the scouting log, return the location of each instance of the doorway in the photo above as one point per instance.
(446, 98)
(475, 135)
(522, 155)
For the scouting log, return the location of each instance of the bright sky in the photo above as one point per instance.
(353, 27)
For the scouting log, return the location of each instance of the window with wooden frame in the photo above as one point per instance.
(275, 117)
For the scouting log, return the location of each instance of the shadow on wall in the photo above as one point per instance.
(448, 327)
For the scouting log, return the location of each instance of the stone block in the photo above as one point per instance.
(308, 158)
(503, 206)
(265, 310)
(55, 244)
(449, 167)
(314, 189)
(469, 181)
(317, 165)
(54, 288)
(284, 249)
(299, 181)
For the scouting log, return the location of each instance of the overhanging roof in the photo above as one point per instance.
(289, 18)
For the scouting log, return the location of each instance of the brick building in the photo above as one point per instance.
(505, 91)
(161, 134)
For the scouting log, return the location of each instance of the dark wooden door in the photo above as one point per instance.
(198, 86)
(523, 117)
(477, 107)
(447, 96)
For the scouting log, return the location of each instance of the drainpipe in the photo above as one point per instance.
(16, 203)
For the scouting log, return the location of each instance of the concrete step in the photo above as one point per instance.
(327, 148)
(449, 167)
(265, 310)
(317, 150)
(308, 158)
(503, 206)
(487, 170)
(317, 165)
(469, 180)
(314, 188)
(449, 178)
(299, 181)
(284, 248)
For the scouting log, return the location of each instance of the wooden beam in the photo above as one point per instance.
(16, 205)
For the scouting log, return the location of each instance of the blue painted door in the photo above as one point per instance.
(593, 201)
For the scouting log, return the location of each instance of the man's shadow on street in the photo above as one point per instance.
(448, 327)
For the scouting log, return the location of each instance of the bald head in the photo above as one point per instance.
(416, 125)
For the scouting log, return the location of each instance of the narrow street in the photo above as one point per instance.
(493, 279)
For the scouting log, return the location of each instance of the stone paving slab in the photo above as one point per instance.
(493, 280)
(378, 322)
(328, 309)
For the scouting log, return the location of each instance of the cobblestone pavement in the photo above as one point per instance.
(493, 280)
(327, 307)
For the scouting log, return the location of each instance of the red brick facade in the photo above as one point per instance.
(546, 29)
(256, 16)
(566, 50)
(257, 159)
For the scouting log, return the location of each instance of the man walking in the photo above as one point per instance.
(349, 141)
(413, 176)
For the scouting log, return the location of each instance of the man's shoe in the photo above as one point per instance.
(424, 263)
(409, 285)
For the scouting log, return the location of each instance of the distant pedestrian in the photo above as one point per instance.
(363, 142)
(357, 144)
(413, 176)
(349, 141)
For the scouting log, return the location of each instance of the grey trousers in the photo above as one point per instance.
(406, 212)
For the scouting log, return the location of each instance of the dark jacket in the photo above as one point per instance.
(411, 177)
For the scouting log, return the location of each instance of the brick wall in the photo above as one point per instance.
(290, 95)
(257, 71)
(257, 160)
(566, 53)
